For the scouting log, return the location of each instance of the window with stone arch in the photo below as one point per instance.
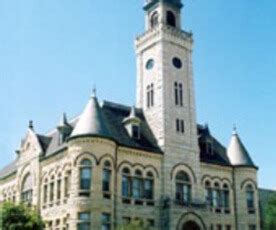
(250, 198)
(85, 177)
(27, 189)
(154, 20)
(183, 188)
(67, 184)
(45, 191)
(226, 198)
(137, 185)
(52, 190)
(126, 185)
(149, 188)
(208, 193)
(171, 21)
(59, 188)
(217, 197)
(106, 179)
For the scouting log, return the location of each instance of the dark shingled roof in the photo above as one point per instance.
(211, 151)
(113, 115)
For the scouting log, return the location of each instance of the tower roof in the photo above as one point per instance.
(91, 121)
(237, 153)
(151, 3)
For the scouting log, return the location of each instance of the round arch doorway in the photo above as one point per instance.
(190, 225)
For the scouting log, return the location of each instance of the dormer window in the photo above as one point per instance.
(132, 124)
(135, 131)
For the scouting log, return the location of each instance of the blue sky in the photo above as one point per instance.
(53, 52)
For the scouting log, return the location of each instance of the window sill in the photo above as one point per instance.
(107, 195)
(251, 211)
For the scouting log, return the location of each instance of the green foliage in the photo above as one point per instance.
(134, 225)
(20, 217)
(270, 214)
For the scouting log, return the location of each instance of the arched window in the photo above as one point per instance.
(137, 186)
(154, 20)
(217, 197)
(150, 95)
(106, 179)
(85, 177)
(183, 188)
(208, 193)
(67, 183)
(171, 19)
(226, 198)
(178, 93)
(45, 191)
(149, 187)
(250, 200)
(126, 183)
(59, 187)
(27, 189)
(52, 189)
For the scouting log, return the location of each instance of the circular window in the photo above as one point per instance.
(177, 63)
(150, 64)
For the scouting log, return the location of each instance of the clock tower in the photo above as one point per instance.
(165, 88)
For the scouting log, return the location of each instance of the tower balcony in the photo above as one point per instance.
(164, 31)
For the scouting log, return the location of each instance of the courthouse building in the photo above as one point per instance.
(153, 162)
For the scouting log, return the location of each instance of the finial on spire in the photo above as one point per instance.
(234, 129)
(94, 91)
(31, 124)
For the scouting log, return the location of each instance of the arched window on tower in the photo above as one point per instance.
(27, 190)
(250, 200)
(171, 19)
(106, 180)
(150, 95)
(178, 93)
(183, 188)
(154, 20)
(85, 177)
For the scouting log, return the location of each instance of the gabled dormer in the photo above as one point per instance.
(30, 145)
(64, 129)
(132, 124)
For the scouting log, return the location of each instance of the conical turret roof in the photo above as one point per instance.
(237, 153)
(91, 121)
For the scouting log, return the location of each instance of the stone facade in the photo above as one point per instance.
(209, 194)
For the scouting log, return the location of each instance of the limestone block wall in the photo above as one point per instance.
(243, 177)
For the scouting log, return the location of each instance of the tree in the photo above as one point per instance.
(20, 217)
(270, 214)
